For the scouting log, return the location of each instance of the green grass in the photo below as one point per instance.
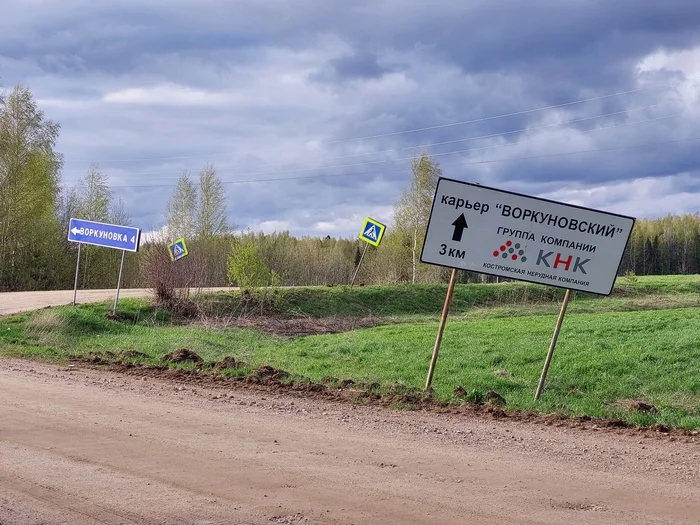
(426, 301)
(643, 343)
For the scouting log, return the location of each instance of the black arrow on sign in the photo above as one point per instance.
(460, 224)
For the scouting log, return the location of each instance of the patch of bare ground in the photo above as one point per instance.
(293, 327)
(269, 379)
(637, 405)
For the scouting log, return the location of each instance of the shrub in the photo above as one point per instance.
(248, 270)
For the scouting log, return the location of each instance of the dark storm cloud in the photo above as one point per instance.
(358, 66)
(268, 90)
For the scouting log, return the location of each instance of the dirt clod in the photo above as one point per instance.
(460, 391)
(494, 398)
(345, 383)
(658, 427)
(267, 372)
(397, 394)
(101, 357)
(183, 356)
(227, 362)
(636, 405)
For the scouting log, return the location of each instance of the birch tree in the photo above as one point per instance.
(182, 209)
(211, 217)
(94, 204)
(412, 211)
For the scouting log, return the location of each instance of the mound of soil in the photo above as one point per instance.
(659, 427)
(459, 392)
(266, 375)
(637, 405)
(494, 398)
(229, 362)
(183, 356)
(268, 372)
(98, 358)
(267, 378)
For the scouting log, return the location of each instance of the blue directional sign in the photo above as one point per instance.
(107, 235)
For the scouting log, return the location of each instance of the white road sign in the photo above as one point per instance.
(497, 232)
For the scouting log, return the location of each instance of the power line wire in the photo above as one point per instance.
(512, 114)
(400, 159)
(414, 130)
(463, 139)
(471, 163)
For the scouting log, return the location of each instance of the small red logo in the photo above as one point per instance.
(514, 251)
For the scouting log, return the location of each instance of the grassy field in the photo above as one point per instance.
(641, 344)
(425, 301)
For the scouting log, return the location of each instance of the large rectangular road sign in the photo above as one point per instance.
(107, 235)
(497, 232)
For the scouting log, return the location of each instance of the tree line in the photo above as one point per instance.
(35, 209)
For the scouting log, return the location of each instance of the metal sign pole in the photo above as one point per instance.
(357, 270)
(553, 344)
(441, 329)
(77, 267)
(119, 282)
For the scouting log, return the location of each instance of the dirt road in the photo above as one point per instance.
(16, 302)
(82, 447)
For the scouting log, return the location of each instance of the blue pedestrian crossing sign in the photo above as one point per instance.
(372, 232)
(177, 249)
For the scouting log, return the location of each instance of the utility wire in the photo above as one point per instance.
(453, 141)
(471, 163)
(400, 159)
(394, 133)
(515, 113)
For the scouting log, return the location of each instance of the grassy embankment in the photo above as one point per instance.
(643, 343)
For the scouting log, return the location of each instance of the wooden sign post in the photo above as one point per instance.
(553, 344)
(441, 328)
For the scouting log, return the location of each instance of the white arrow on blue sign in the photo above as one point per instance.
(102, 234)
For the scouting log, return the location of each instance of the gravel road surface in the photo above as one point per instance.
(81, 446)
(17, 302)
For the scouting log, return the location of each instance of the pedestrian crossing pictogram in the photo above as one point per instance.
(177, 250)
(372, 231)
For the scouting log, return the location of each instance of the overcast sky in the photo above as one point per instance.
(336, 95)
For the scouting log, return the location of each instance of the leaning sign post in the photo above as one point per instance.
(501, 233)
(372, 233)
(124, 238)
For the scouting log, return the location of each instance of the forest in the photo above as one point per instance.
(35, 209)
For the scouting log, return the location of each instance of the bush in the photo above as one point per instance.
(248, 270)
(170, 281)
(630, 278)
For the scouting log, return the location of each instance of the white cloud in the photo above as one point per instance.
(169, 95)
(270, 226)
(686, 62)
(648, 197)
